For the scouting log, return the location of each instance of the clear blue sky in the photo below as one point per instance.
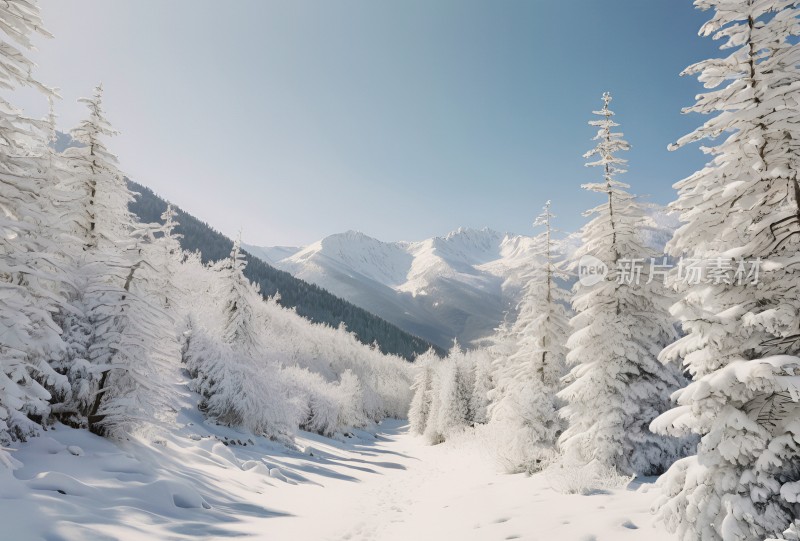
(402, 119)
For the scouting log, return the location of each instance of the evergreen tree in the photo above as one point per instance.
(239, 296)
(451, 393)
(484, 382)
(28, 334)
(419, 412)
(621, 323)
(166, 255)
(741, 213)
(530, 376)
(122, 340)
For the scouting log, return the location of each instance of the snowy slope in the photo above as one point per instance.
(459, 286)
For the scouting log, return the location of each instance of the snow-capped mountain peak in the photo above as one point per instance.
(453, 286)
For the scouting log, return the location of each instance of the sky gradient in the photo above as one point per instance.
(293, 120)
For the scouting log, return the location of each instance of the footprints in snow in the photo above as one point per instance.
(501, 520)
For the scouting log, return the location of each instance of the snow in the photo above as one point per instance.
(206, 481)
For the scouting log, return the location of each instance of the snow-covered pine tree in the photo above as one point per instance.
(226, 355)
(235, 393)
(530, 376)
(52, 275)
(620, 326)
(482, 386)
(239, 295)
(102, 219)
(148, 345)
(451, 394)
(133, 344)
(27, 331)
(420, 408)
(741, 331)
(121, 341)
(499, 348)
(98, 231)
(166, 255)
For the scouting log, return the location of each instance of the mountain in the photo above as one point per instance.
(456, 286)
(462, 285)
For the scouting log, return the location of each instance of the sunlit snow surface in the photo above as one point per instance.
(390, 486)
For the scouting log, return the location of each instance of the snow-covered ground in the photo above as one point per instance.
(390, 486)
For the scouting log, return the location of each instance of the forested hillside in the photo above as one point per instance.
(308, 300)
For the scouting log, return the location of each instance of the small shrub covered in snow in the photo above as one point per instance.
(585, 479)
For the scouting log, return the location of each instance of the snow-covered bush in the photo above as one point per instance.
(236, 392)
(525, 419)
(585, 479)
(791, 534)
(324, 407)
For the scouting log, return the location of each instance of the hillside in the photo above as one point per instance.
(309, 300)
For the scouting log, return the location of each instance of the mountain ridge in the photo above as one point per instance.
(458, 285)
(461, 285)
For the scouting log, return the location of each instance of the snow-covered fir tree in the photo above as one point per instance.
(446, 392)
(166, 255)
(741, 222)
(530, 375)
(239, 295)
(120, 337)
(450, 397)
(621, 323)
(236, 392)
(103, 220)
(133, 345)
(419, 412)
(483, 385)
(28, 292)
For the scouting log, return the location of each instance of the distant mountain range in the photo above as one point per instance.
(461, 285)
(456, 286)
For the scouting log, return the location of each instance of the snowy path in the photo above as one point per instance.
(391, 488)
(415, 491)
